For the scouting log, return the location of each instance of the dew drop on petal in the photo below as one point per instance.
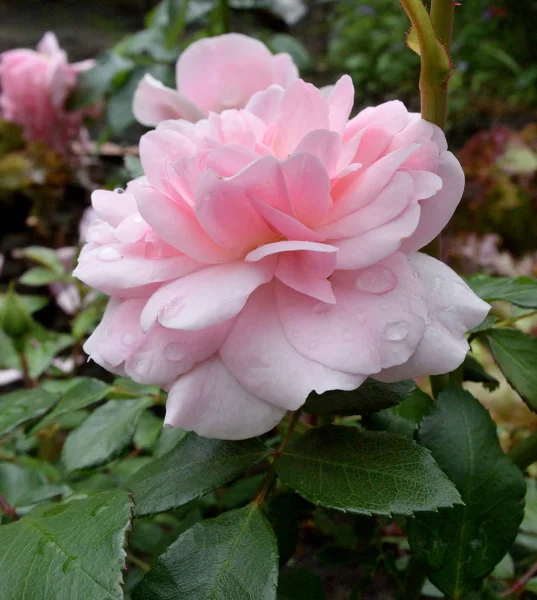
(375, 280)
(174, 352)
(138, 219)
(347, 336)
(396, 331)
(119, 191)
(128, 339)
(108, 254)
(321, 307)
(314, 344)
(438, 282)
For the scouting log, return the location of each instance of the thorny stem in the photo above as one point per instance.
(434, 33)
(28, 381)
(434, 37)
(513, 320)
(520, 584)
(272, 471)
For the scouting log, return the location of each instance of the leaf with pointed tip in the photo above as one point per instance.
(85, 392)
(103, 434)
(516, 355)
(463, 544)
(521, 291)
(21, 406)
(232, 556)
(364, 472)
(472, 370)
(66, 551)
(194, 467)
(371, 396)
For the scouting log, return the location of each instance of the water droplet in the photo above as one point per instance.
(321, 307)
(119, 191)
(128, 339)
(55, 511)
(359, 316)
(449, 308)
(347, 336)
(384, 305)
(138, 219)
(314, 344)
(108, 254)
(375, 280)
(69, 565)
(230, 97)
(396, 331)
(174, 352)
(140, 366)
(43, 543)
(98, 510)
(295, 333)
(438, 282)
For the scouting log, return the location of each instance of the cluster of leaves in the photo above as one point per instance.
(170, 27)
(97, 500)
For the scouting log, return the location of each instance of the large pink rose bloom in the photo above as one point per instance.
(272, 251)
(34, 87)
(213, 74)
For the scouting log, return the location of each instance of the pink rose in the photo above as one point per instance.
(272, 251)
(34, 89)
(213, 74)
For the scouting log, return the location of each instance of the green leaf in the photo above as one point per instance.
(299, 584)
(147, 431)
(23, 405)
(40, 347)
(194, 467)
(42, 494)
(364, 472)
(371, 396)
(86, 392)
(16, 481)
(169, 438)
(104, 434)
(283, 42)
(39, 276)
(119, 107)
(516, 355)
(232, 556)
(462, 545)
(66, 551)
(474, 371)
(404, 418)
(94, 83)
(46, 257)
(133, 164)
(521, 291)
(412, 41)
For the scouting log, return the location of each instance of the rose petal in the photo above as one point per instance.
(211, 402)
(190, 303)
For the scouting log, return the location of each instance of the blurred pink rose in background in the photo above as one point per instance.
(213, 74)
(272, 251)
(34, 88)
